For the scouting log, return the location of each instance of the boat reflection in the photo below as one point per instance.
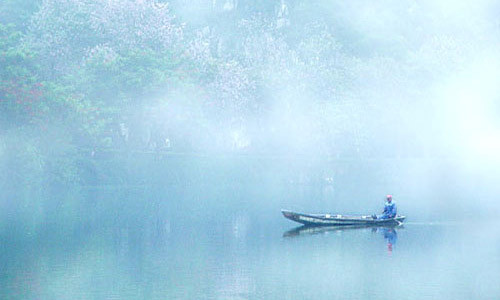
(389, 233)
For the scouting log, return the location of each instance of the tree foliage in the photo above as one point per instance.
(266, 75)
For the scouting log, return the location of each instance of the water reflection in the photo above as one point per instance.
(390, 237)
(389, 233)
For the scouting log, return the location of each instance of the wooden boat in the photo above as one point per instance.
(340, 220)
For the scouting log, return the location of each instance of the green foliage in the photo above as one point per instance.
(118, 79)
(129, 75)
(18, 13)
(20, 89)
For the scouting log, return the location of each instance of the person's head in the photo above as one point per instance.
(388, 198)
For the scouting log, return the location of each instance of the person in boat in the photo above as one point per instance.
(390, 209)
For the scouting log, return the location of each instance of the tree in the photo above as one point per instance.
(20, 88)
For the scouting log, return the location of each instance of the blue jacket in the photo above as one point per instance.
(390, 209)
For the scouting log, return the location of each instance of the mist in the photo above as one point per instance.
(140, 125)
(410, 87)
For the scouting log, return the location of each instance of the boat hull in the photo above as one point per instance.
(339, 220)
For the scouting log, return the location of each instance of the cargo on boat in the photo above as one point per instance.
(340, 220)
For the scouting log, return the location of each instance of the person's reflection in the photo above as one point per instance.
(390, 237)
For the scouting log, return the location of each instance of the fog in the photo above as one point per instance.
(148, 146)
(397, 96)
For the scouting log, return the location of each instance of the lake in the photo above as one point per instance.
(229, 241)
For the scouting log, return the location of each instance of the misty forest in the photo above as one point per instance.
(148, 146)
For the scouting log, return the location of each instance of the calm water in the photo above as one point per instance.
(229, 241)
(239, 258)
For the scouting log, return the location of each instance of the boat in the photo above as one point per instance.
(340, 220)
